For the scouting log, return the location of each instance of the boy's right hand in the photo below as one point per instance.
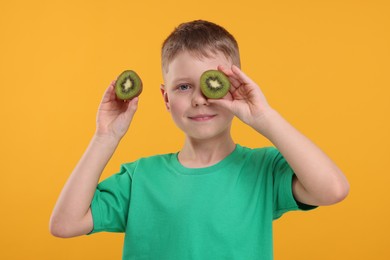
(72, 214)
(114, 115)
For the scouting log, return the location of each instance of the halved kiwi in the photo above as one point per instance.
(214, 84)
(128, 85)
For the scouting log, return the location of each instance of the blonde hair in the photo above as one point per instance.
(202, 39)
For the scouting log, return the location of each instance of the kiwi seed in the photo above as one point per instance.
(214, 84)
(128, 85)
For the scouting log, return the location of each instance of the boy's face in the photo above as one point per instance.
(189, 108)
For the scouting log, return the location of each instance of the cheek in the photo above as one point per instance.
(176, 107)
(177, 111)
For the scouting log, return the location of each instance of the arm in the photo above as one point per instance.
(72, 214)
(318, 180)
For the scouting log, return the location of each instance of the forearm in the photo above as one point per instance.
(320, 181)
(75, 199)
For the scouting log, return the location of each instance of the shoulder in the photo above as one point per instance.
(148, 163)
(263, 159)
(264, 153)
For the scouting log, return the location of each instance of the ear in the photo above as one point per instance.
(165, 96)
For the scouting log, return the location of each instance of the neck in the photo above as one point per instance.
(202, 153)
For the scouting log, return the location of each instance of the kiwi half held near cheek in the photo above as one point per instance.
(214, 84)
(128, 85)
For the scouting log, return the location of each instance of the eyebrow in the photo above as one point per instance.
(185, 79)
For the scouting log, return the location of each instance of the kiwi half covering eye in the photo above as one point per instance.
(214, 84)
(128, 85)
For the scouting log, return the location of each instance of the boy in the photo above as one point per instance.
(214, 199)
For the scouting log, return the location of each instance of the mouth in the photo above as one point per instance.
(202, 117)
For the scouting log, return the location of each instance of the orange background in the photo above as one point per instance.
(324, 65)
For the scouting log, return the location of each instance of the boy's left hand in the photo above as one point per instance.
(247, 100)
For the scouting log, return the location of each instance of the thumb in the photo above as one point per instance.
(224, 103)
(132, 107)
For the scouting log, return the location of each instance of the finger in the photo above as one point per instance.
(133, 105)
(131, 108)
(225, 70)
(224, 103)
(241, 75)
(109, 94)
(232, 77)
(235, 82)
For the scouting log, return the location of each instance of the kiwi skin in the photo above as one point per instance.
(218, 79)
(135, 88)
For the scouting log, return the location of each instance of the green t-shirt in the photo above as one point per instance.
(224, 211)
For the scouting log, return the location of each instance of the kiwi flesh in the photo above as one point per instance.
(214, 84)
(128, 85)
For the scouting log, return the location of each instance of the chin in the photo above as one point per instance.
(207, 135)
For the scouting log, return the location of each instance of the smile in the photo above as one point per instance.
(201, 118)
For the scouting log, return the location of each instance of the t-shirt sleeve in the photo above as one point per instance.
(283, 197)
(110, 203)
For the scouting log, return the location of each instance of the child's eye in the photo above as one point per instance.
(184, 87)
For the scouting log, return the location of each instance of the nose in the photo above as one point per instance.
(198, 99)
